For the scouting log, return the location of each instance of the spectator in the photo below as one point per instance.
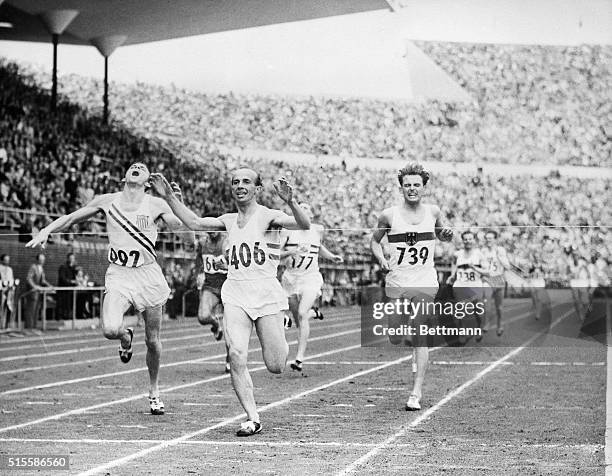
(66, 277)
(84, 300)
(36, 282)
(7, 291)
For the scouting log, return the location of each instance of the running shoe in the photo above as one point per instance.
(288, 322)
(413, 403)
(157, 406)
(500, 331)
(318, 314)
(227, 368)
(296, 365)
(217, 332)
(249, 428)
(126, 354)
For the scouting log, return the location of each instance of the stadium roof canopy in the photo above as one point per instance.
(142, 21)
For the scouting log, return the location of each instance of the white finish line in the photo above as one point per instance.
(188, 436)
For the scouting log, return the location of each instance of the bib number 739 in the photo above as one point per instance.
(414, 254)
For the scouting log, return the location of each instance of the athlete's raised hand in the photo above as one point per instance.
(445, 234)
(40, 239)
(337, 259)
(220, 263)
(160, 185)
(284, 189)
(384, 266)
(177, 190)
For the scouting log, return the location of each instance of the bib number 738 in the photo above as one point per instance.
(414, 254)
(122, 258)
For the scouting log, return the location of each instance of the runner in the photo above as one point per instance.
(210, 260)
(496, 262)
(133, 277)
(411, 228)
(252, 295)
(302, 280)
(467, 271)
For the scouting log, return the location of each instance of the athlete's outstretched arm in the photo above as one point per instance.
(299, 220)
(503, 258)
(285, 251)
(163, 188)
(442, 232)
(453, 275)
(381, 230)
(66, 221)
(326, 254)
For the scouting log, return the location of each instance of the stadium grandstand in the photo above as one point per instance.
(518, 136)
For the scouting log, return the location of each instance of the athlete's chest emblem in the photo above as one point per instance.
(142, 222)
(411, 238)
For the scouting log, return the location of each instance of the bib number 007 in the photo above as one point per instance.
(122, 258)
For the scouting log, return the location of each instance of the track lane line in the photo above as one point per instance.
(184, 324)
(227, 421)
(590, 447)
(100, 359)
(448, 397)
(61, 383)
(109, 345)
(82, 410)
(42, 341)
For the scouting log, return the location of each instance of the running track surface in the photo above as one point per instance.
(535, 406)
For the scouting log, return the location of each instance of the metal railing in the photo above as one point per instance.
(52, 290)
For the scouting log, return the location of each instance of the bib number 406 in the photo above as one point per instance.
(243, 255)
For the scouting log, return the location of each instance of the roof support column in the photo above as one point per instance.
(106, 45)
(56, 22)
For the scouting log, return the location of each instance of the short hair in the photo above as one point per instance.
(467, 232)
(4, 255)
(493, 232)
(139, 163)
(413, 169)
(70, 254)
(258, 181)
(39, 255)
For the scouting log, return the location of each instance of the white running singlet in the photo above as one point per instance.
(131, 235)
(307, 242)
(412, 264)
(493, 261)
(251, 254)
(467, 276)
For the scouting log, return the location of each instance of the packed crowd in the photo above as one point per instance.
(53, 165)
(532, 104)
(57, 164)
